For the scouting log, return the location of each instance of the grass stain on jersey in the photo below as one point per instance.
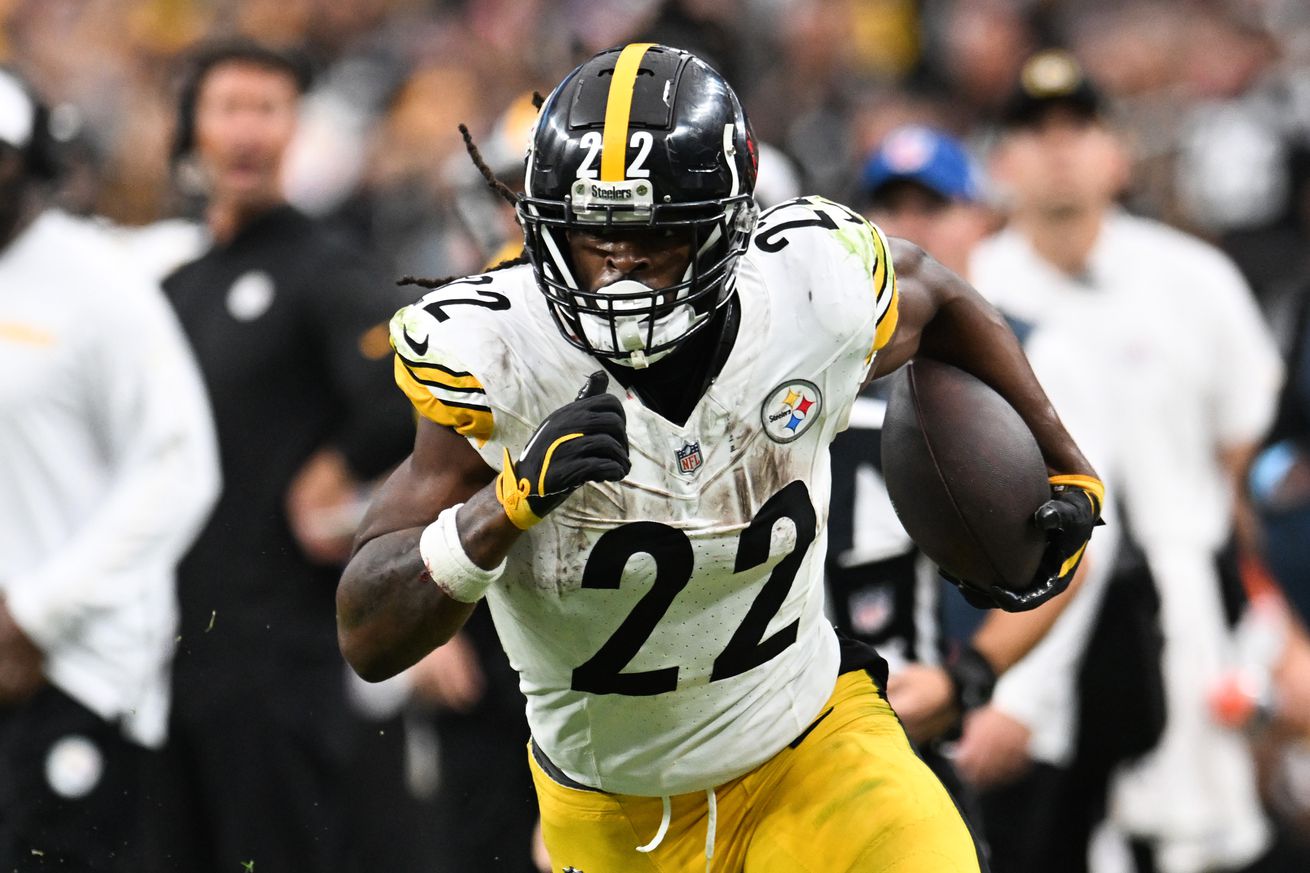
(858, 240)
(846, 798)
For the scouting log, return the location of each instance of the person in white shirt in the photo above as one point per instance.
(1193, 377)
(109, 466)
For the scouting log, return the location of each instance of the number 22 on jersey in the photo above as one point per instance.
(674, 560)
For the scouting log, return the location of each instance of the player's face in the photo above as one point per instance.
(654, 258)
(245, 119)
(1064, 162)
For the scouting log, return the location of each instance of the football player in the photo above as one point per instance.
(624, 449)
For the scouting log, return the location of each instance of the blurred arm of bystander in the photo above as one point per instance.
(327, 497)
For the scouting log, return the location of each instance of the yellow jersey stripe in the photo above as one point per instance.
(475, 422)
(618, 107)
(886, 295)
(879, 268)
(440, 377)
(887, 325)
(22, 333)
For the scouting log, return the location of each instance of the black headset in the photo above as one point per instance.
(211, 55)
(41, 154)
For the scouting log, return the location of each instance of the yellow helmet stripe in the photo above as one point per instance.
(614, 141)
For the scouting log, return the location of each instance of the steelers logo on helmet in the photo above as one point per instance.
(645, 136)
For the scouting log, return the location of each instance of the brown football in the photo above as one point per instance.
(964, 474)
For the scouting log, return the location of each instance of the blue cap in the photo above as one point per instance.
(929, 157)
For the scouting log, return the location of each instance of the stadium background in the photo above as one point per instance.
(1202, 88)
(1214, 98)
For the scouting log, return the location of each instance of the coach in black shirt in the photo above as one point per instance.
(288, 325)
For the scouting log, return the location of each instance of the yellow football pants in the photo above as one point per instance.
(852, 796)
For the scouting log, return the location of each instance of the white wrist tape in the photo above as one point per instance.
(449, 565)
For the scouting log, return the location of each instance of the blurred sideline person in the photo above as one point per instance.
(286, 323)
(1193, 376)
(926, 182)
(684, 688)
(109, 467)
(921, 184)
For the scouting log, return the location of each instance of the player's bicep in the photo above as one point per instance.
(442, 471)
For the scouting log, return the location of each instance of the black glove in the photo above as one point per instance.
(582, 441)
(1068, 518)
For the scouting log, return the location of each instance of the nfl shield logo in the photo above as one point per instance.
(689, 458)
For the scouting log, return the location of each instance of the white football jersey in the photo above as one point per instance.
(668, 629)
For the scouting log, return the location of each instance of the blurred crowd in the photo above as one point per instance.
(1211, 98)
(1202, 87)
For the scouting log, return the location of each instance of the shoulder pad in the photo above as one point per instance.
(430, 362)
(818, 229)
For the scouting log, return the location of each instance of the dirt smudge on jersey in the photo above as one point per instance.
(770, 471)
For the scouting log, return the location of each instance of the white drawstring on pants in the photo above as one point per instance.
(710, 826)
(664, 826)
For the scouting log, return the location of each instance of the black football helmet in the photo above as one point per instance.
(643, 136)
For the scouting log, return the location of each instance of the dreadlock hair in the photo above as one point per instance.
(499, 188)
(419, 282)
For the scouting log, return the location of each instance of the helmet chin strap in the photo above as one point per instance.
(631, 330)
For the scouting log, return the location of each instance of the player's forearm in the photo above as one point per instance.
(391, 612)
(485, 531)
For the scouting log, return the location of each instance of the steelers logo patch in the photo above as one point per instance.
(791, 409)
(250, 295)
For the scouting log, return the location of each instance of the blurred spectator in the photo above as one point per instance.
(288, 326)
(1280, 476)
(923, 186)
(109, 468)
(981, 44)
(1186, 425)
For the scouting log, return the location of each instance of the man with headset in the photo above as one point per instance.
(287, 320)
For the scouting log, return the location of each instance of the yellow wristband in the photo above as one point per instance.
(512, 492)
(1093, 486)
